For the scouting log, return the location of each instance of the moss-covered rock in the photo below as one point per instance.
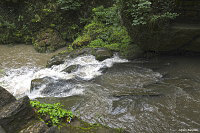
(48, 40)
(159, 30)
(79, 126)
(102, 54)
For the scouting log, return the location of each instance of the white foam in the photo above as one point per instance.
(18, 81)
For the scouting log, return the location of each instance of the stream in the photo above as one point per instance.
(161, 94)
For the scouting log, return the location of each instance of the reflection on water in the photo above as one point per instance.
(161, 94)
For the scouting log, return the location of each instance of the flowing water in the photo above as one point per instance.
(145, 95)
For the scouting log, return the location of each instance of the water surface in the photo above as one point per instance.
(145, 95)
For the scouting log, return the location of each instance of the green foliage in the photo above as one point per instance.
(165, 16)
(143, 12)
(97, 43)
(8, 31)
(108, 16)
(54, 111)
(69, 4)
(81, 41)
(104, 30)
(139, 11)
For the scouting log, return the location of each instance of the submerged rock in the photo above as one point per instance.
(37, 83)
(71, 68)
(100, 54)
(144, 94)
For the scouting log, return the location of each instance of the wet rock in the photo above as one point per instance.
(37, 127)
(16, 114)
(5, 97)
(37, 83)
(144, 94)
(79, 126)
(2, 130)
(100, 54)
(51, 87)
(48, 41)
(71, 68)
(57, 59)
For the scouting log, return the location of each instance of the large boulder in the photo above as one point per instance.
(39, 127)
(102, 54)
(15, 115)
(182, 33)
(182, 37)
(5, 97)
(48, 40)
(99, 53)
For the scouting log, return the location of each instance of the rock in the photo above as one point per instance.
(37, 83)
(37, 127)
(16, 114)
(100, 54)
(5, 97)
(48, 41)
(178, 34)
(51, 87)
(79, 126)
(133, 94)
(71, 68)
(2, 130)
(57, 59)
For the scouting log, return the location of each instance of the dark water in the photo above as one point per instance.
(155, 95)
(161, 94)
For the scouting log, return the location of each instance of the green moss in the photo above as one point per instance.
(104, 30)
(81, 41)
(79, 126)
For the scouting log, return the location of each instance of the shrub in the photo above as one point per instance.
(104, 30)
(54, 111)
(81, 41)
(142, 12)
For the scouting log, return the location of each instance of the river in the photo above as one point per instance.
(161, 94)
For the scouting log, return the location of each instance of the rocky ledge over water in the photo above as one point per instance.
(17, 116)
(99, 53)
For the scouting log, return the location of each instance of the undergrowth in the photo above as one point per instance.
(54, 112)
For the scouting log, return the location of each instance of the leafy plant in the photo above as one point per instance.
(54, 111)
(69, 4)
(142, 12)
(108, 16)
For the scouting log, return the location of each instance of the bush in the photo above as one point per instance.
(104, 30)
(142, 12)
(54, 111)
(81, 41)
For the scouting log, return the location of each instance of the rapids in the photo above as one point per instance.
(144, 95)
